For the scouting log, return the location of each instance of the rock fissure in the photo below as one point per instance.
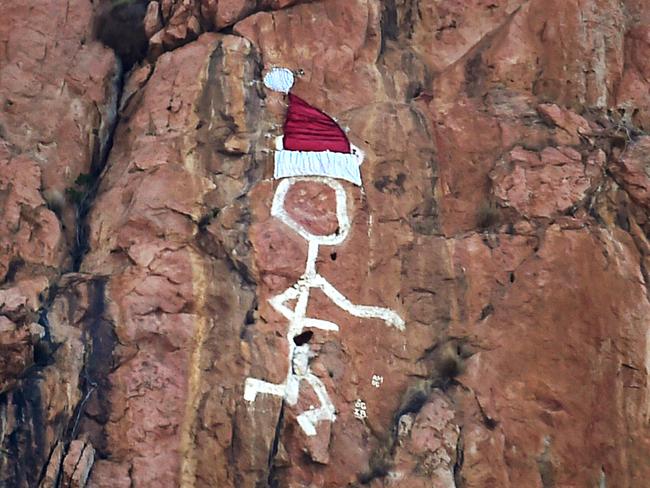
(273, 480)
(54, 462)
(458, 463)
(78, 462)
(82, 201)
(97, 167)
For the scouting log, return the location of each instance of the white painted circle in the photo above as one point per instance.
(278, 210)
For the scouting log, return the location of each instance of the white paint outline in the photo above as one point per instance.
(298, 368)
(278, 211)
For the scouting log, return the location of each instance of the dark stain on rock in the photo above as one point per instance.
(99, 363)
(389, 25)
(26, 444)
(304, 338)
(474, 75)
(15, 265)
(388, 184)
(119, 25)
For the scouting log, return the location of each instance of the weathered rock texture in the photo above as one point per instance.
(504, 216)
(58, 92)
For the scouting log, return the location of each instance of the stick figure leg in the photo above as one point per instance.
(309, 419)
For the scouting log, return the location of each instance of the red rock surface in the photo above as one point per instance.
(313, 206)
(503, 215)
(58, 90)
(546, 183)
(172, 23)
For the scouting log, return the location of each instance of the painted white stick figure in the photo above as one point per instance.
(330, 155)
(298, 369)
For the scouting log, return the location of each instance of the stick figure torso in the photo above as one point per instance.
(299, 355)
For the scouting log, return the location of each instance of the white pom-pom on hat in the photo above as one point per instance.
(279, 79)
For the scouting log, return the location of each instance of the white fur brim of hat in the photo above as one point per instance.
(318, 163)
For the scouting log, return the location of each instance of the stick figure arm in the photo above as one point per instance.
(320, 324)
(278, 302)
(364, 311)
(309, 419)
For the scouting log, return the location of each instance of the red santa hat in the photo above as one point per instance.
(313, 143)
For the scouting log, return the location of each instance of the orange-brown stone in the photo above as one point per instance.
(503, 215)
(313, 206)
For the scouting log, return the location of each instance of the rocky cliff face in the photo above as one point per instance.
(503, 216)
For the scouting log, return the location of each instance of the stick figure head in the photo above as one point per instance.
(278, 210)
